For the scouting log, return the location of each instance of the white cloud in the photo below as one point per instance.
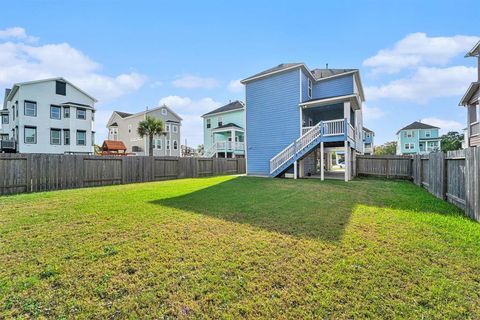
(16, 33)
(191, 110)
(235, 86)
(418, 49)
(425, 84)
(195, 82)
(24, 62)
(444, 125)
(372, 113)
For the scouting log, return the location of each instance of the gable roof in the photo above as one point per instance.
(235, 105)
(228, 125)
(474, 87)
(474, 52)
(315, 74)
(113, 145)
(417, 125)
(368, 130)
(19, 84)
(123, 114)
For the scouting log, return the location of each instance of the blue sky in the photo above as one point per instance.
(191, 55)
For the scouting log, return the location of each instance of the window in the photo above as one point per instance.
(30, 135)
(157, 144)
(93, 115)
(55, 136)
(175, 146)
(220, 121)
(30, 108)
(129, 128)
(81, 113)
(66, 112)
(175, 128)
(309, 88)
(55, 112)
(409, 134)
(168, 128)
(409, 146)
(164, 111)
(93, 138)
(428, 134)
(4, 118)
(209, 124)
(13, 113)
(66, 137)
(168, 144)
(81, 138)
(60, 88)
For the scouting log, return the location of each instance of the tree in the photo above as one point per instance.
(388, 148)
(150, 127)
(451, 141)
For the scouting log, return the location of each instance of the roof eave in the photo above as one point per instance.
(300, 65)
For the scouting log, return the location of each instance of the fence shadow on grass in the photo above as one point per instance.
(306, 210)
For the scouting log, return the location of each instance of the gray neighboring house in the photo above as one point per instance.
(123, 126)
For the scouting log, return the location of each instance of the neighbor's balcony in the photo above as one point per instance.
(332, 128)
(7, 145)
(474, 128)
(225, 147)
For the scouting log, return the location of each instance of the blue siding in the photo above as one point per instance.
(273, 118)
(305, 78)
(334, 87)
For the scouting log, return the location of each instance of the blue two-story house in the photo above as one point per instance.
(297, 119)
(418, 138)
(368, 136)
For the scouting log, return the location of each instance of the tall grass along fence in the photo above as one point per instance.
(452, 176)
(44, 172)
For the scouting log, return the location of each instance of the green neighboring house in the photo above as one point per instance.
(224, 131)
(418, 138)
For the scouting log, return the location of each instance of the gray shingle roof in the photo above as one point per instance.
(280, 67)
(418, 125)
(366, 129)
(324, 73)
(229, 107)
(228, 125)
(123, 114)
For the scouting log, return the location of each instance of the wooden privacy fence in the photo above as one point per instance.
(44, 172)
(454, 176)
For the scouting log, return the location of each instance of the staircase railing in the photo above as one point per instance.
(324, 128)
(224, 146)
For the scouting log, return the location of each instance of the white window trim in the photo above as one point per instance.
(164, 112)
(174, 128)
(175, 145)
(310, 88)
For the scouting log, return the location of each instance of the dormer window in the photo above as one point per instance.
(164, 111)
(310, 85)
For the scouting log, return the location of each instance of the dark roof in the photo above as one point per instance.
(7, 92)
(475, 51)
(77, 104)
(418, 125)
(229, 107)
(280, 67)
(366, 129)
(114, 124)
(123, 114)
(228, 125)
(324, 73)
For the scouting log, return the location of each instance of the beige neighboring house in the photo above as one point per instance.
(123, 126)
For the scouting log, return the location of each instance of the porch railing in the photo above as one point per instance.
(334, 127)
(7, 144)
(224, 146)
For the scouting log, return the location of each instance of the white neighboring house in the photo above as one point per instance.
(123, 126)
(47, 116)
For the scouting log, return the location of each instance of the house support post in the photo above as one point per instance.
(347, 161)
(295, 169)
(322, 160)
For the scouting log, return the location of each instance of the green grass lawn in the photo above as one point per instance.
(232, 247)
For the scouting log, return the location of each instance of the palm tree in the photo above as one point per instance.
(150, 127)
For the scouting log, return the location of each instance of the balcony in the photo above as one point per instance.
(8, 145)
(225, 147)
(334, 128)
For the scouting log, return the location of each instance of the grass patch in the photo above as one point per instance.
(233, 247)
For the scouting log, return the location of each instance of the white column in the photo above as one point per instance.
(347, 161)
(301, 168)
(232, 137)
(322, 170)
(346, 110)
(295, 169)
